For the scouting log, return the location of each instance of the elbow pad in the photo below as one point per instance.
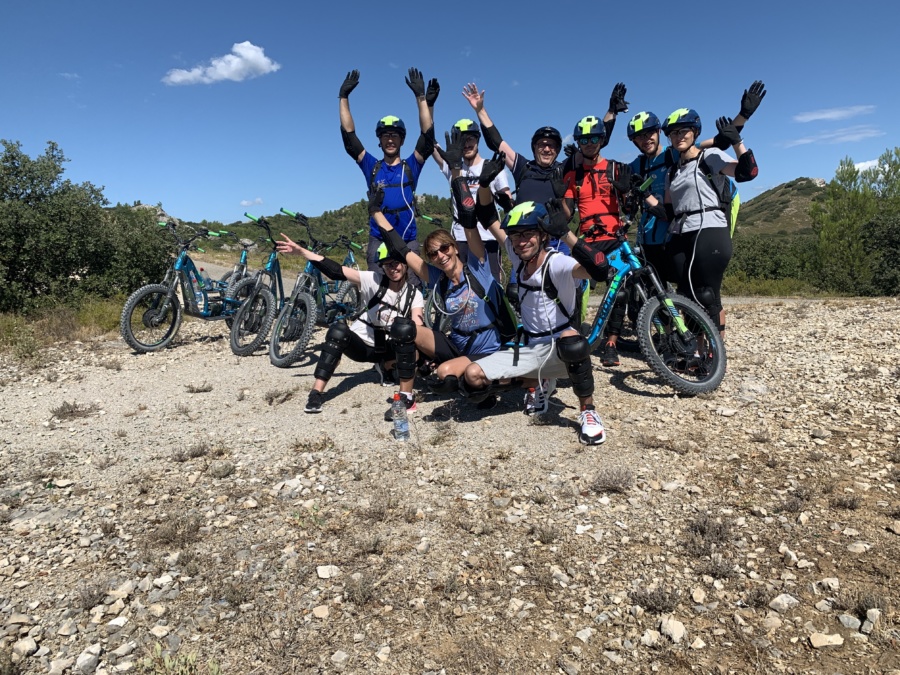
(486, 213)
(395, 242)
(663, 212)
(352, 144)
(593, 261)
(425, 144)
(329, 268)
(746, 168)
(492, 137)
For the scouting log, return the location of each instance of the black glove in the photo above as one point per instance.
(556, 224)
(416, 82)
(452, 154)
(505, 201)
(727, 135)
(557, 183)
(431, 94)
(349, 84)
(617, 102)
(752, 98)
(465, 204)
(621, 177)
(570, 149)
(376, 198)
(491, 169)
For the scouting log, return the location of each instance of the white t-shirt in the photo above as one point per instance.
(539, 312)
(384, 313)
(471, 174)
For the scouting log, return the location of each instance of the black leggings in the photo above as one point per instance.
(699, 271)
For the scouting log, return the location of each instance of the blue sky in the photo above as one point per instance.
(217, 108)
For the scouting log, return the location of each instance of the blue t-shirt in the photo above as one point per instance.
(399, 188)
(469, 312)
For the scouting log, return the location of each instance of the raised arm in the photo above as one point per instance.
(492, 137)
(750, 101)
(352, 145)
(617, 104)
(485, 210)
(744, 168)
(425, 145)
(392, 238)
(326, 266)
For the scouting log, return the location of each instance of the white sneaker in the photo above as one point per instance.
(592, 431)
(537, 399)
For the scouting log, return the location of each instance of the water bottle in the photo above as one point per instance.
(204, 277)
(196, 285)
(401, 422)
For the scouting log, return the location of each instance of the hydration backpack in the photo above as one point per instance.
(724, 187)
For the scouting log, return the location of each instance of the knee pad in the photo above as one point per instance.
(449, 385)
(711, 302)
(575, 352)
(336, 340)
(403, 339)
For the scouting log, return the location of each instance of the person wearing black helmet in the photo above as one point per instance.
(398, 176)
(656, 159)
(471, 170)
(388, 297)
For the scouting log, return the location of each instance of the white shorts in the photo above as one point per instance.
(538, 361)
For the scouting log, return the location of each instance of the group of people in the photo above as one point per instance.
(684, 233)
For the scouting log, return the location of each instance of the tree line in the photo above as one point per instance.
(61, 242)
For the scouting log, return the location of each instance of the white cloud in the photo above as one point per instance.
(252, 202)
(859, 132)
(862, 166)
(833, 114)
(70, 76)
(393, 65)
(245, 61)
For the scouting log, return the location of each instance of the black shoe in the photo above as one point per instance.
(487, 404)
(314, 402)
(610, 355)
(386, 377)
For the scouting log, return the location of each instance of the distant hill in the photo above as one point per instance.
(782, 210)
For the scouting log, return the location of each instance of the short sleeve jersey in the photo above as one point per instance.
(533, 182)
(382, 315)
(689, 191)
(467, 311)
(539, 312)
(399, 197)
(653, 229)
(471, 174)
(596, 199)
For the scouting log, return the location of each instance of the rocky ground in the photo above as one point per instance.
(181, 504)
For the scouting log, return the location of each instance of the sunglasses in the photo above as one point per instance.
(588, 140)
(680, 131)
(523, 234)
(443, 248)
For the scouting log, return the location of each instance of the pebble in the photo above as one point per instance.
(859, 547)
(895, 527)
(819, 640)
(672, 628)
(340, 658)
(328, 571)
(24, 647)
(320, 612)
(650, 637)
(698, 643)
(584, 634)
(783, 603)
(849, 621)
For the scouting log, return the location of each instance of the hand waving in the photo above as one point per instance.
(491, 169)
(556, 224)
(728, 135)
(416, 82)
(474, 97)
(349, 84)
(454, 151)
(617, 102)
(752, 98)
(431, 93)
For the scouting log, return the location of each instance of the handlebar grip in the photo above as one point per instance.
(253, 218)
(200, 249)
(289, 213)
(646, 184)
(212, 234)
(225, 233)
(355, 245)
(360, 230)
(162, 224)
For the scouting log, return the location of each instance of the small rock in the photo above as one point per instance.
(24, 648)
(819, 640)
(383, 654)
(159, 631)
(829, 583)
(69, 627)
(672, 628)
(59, 666)
(584, 635)
(698, 643)
(859, 547)
(895, 527)
(783, 603)
(321, 612)
(823, 606)
(328, 572)
(873, 615)
(771, 622)
(568, 665)
(698, 596)
(615, 658)
(340, 658)
(849, 621)
(87, 661)
(470, 497)
(650, 637)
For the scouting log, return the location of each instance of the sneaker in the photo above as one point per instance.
(314, 402)
(385, 376)
(592, 431)
(610, 355)
(537, 399)
(410, 402)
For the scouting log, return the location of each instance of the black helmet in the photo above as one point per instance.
(547, 132)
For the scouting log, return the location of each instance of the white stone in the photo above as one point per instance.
(328, 572)
(24, 647)
(783, 603)
(672, 628)
(584, 635)
(321, 612)
(819, 640)
(698, 643)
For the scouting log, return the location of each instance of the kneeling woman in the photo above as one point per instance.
(388, 297)
(472, 299)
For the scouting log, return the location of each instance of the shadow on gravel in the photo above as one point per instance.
(636, 382)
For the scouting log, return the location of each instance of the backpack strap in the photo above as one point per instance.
(378, 299)
(549, 289)
(405, 182)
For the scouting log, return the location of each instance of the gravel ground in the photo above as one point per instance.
(183, 500)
